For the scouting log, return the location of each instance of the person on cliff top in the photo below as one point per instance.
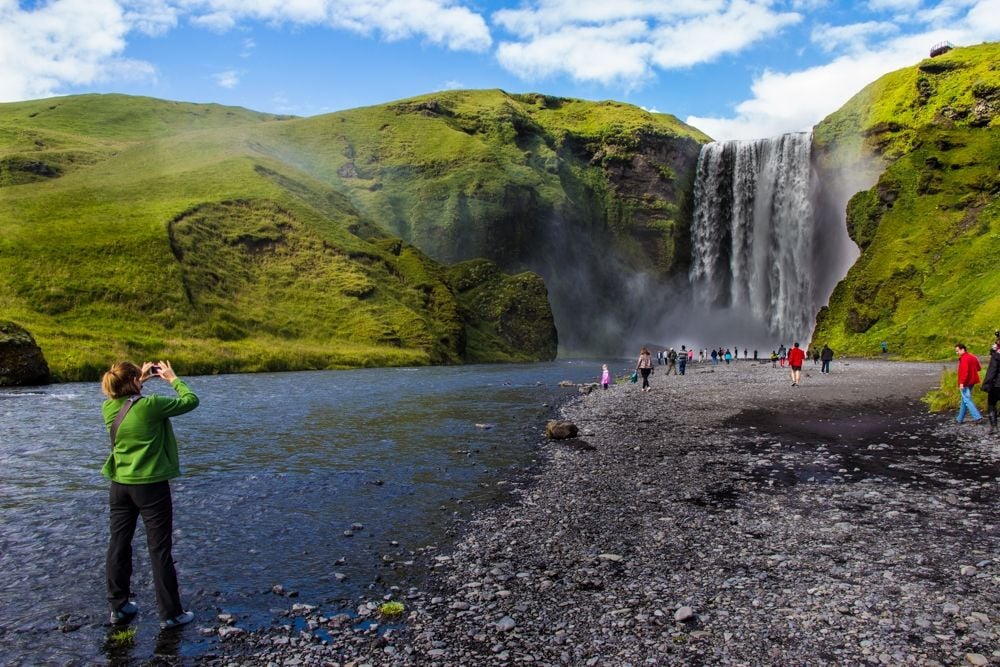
(796, 356)
(645, 367)
(991, 384)
(826, 356)
(968, 377)
(605, 376)
(143, 459)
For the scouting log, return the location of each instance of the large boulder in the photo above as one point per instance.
(21, 360)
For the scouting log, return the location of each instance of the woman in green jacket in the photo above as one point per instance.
(143, 458)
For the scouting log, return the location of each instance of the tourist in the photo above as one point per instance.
(774, 359)
(672, 361)
(605, 376)
(745, 355)
(795, 358)
(968, 377)
(715, 357)
(826, 356)
(991, 384)
(682, 360)
(645, 367)
(755, 355)
(142, 461)
(782, 354)
(885, 347)
(728, 356)
(815, 356)
(659, 357)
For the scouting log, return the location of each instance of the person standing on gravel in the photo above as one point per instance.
(645, 367)
(682, 360)
(991, 385)
(796, 356)
(968, 377)
(826, 356)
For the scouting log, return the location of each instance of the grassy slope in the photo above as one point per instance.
(88, 266)
(929, 229)
(479, 173)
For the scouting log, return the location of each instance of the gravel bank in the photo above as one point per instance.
(725, 518)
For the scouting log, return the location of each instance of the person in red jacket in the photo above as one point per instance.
(796, 356)
(968, 377)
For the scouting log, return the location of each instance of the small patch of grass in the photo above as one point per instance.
(123, 636)
(946, 396)
(391, 609)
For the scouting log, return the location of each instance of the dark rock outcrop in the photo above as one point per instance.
(21, 360)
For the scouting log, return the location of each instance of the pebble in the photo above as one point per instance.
(684, 614)
(506, 624)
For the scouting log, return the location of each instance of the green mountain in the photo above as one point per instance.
(132, 227)
(929, 227)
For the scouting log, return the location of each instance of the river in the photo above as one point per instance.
(276, 467)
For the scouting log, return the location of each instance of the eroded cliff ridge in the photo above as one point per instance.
(922, 145)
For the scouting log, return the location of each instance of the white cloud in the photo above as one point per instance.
(60, 43)
(451, 85)
(893, 5)
(64, 42)
(443, 22)
(227, 79)
(853, 37)
(794, 101)
(624, 42)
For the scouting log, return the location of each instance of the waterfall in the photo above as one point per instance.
(753, 234)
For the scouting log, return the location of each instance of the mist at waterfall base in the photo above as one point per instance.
(769, 244)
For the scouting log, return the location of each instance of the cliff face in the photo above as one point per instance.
(921, 145)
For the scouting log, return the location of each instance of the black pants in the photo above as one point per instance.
(153, 503)
(826, 367)
(645, 376)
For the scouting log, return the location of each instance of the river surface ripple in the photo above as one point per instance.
(275, 468)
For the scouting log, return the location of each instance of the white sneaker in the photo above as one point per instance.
(177, 621)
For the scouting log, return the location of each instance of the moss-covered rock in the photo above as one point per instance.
(923, 146)
(21, 360)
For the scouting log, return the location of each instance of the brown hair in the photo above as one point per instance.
(122, 380)
(644, 350)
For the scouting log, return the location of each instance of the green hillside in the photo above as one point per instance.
(929, 230)
(578, 192)
(141, 228)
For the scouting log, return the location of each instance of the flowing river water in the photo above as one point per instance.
(276, 467)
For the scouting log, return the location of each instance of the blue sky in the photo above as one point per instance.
(733, 68)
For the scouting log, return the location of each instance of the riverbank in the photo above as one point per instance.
(726, 517)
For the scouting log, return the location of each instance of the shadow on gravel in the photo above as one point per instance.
(889, 441)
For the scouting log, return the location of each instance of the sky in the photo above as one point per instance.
(735, 69)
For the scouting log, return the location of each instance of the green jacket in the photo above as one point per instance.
(145, 450)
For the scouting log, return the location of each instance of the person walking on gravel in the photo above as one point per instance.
(796, 356)
(968, 377)
(826, 356)
(991, 384)
(672, 361)
(645, 367)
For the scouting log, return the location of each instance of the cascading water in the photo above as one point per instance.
(753, 233)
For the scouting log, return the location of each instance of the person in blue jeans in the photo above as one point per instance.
(968, 377)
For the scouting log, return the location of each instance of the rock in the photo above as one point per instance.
(460, 605)
(684, 614)
(950, 609)
(561, 430)
(968, 570)
(614, 558)
(21, 360)
(976, 659)
(229, 631)
(506, 624)
(484, 427)
(357, 526)
(278, 589)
